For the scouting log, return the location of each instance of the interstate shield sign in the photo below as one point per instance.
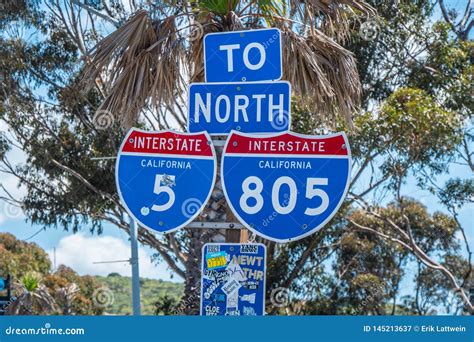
(285, 186)
(165, 178)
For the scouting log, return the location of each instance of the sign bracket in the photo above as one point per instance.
(215, 225)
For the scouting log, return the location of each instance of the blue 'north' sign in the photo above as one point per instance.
(241, 56)
(165, 179)
(285, 186)
(219, 108)
(233, 279)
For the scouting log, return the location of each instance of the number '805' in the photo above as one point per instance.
(252, 187)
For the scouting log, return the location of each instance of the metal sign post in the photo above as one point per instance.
(135, 268)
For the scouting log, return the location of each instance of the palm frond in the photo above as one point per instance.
(143, 63)
(333, 18)
(219, 7)
(30, 282)
(208, 24)
(139, 63)
(322, 72)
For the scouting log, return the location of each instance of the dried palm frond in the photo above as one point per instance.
(65, 297)
(322, 72)
(144, 62)
(37, 302)
(139, 62)
(207, 24)
(331, 17)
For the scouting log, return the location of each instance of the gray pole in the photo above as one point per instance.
(135, 269)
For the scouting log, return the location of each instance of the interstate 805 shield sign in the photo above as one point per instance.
(233, 279)
(285, 186)
(165, 178)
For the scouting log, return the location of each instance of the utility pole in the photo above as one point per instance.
(133, 259)
(135, 268)
(54, 259)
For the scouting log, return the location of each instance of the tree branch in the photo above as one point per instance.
(97, 13)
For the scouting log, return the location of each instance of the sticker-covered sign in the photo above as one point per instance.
(233, 279)
(242, 56)
(260, 107)
(285, 186)
(165, 178)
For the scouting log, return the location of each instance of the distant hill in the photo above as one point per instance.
(151, 291)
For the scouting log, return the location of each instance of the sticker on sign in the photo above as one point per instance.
(285, 186)
(242, 56)
(164, 179)
(219, 108)
(239, 287)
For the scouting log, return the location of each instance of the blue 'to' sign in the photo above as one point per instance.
(241, 56)
(165, 178)
(285, 186)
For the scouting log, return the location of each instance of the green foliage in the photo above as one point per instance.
(20, 259)
(219, 7)
(157, 296)
(447, 71)
(457, 192)
(83, 303)
(166, 305)
(410, 130)
(30, 282)
(417, 127)
(30, 267)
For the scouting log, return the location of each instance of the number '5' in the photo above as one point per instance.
(158, 189)
(290, 203)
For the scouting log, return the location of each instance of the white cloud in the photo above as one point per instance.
(80, 252)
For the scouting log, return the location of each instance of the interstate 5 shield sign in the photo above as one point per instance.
(165, 178)
(285, 186)
(233, 279)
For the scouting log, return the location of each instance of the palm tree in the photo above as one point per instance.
(33, 298)
(143, 68)
(147, 63)
(65, 297)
